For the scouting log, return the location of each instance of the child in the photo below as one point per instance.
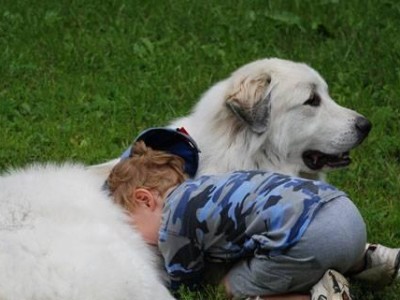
(279, 234)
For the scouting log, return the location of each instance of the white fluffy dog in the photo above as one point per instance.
(275, 115)
(61, 237)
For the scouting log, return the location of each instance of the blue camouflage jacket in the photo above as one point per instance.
(223, 218)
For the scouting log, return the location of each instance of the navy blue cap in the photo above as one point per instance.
(175, 141)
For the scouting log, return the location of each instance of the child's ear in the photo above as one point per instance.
(144, 198)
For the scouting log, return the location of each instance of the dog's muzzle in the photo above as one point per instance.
(316, 160)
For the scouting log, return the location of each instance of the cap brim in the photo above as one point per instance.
(172, 141)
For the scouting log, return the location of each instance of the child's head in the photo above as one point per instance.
(156, 171)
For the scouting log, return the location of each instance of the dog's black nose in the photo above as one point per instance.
(363, 125)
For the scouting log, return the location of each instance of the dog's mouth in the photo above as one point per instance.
(316, 160)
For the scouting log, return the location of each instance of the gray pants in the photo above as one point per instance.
(335, 239)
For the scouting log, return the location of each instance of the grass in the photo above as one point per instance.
(79, 79)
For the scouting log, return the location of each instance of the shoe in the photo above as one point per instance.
(332, 286)
(381, 265)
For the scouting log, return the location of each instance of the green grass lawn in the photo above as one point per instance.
(80, 78)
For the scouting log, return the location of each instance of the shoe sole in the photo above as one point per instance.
(339, 293)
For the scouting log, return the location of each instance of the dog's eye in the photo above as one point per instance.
(314, 100)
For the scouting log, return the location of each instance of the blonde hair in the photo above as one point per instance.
(145, 168)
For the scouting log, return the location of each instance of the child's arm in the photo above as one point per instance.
(183, 260)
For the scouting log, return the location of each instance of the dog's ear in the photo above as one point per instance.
(249, 102)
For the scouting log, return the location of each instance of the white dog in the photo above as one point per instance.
(62, 238)
(274, 115)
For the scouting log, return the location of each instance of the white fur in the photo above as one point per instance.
(276, 128)
(61, 237)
